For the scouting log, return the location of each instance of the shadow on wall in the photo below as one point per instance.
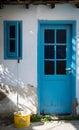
(27, 95)
(5, 107)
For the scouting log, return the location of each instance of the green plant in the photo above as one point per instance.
(35, 118)
(46, 118)
(43, 118)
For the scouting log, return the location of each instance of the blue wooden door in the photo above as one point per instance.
(55, 69)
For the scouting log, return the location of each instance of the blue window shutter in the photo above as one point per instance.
(4, 40)
(13, 39)
(13, 54)
(20, 39)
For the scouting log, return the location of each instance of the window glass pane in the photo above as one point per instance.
(60, 67)
(49, 67)
(49, 52)
(12, 45)
(61, 52)
(61, 36)
(12, 31)
(49, 36)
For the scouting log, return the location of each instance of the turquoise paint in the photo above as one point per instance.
(42, 97)
(21, 37)
(12, 54)
(7, 53)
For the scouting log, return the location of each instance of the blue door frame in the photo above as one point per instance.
(42, 23)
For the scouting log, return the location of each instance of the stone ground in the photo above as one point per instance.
(52, 125)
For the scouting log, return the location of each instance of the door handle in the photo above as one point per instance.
(69, 70)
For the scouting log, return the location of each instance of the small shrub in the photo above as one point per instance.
(46, 118)
(36, 118)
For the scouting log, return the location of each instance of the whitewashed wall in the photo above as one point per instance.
(26, 70)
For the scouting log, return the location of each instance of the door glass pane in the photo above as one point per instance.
(49, 52)
(61, 52)
(12, 31)
(61, 36)
(12, 45)
(49, 67)
(60, 67)
(49, 36)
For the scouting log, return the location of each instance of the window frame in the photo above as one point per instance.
(18, 40)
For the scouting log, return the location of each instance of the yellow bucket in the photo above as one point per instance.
(21, 119)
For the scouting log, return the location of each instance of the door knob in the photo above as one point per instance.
(69, 70)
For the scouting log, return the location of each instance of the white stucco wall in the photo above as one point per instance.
(26, 71)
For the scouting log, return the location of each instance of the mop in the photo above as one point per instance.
(18, 61)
